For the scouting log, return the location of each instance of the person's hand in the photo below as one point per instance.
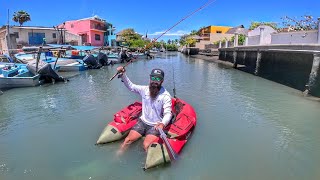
(120, 70)
(159, 126)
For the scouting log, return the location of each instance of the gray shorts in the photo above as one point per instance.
(144, 129)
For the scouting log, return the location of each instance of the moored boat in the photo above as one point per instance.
(17, 75)
(178, 131)
(63, 64)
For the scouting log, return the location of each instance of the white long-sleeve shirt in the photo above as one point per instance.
(153, 110)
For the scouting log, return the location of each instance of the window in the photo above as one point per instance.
(219, 32)
(54, 35)
(71, 25)
(16, 34)
(97, 37)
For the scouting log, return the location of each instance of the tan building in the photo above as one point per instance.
(213, 34)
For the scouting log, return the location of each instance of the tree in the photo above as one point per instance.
(194, 32)
(183, 39)
(21, 17)
(241, 39)
(137, 43)
(172, 47)
(169, 41)
(255, 24)
(187, 40)
(305, 23)
(190, 41)
(129, 34)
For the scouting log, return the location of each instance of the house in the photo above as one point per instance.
(93, 30)
(33, 35)
(260, 35)
(210, 34)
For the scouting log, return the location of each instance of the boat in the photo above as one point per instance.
(17, 75)
(178, 132)
(37, 65)
(48, 73)
(63, 64)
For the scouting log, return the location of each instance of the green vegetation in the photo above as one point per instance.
(304, 23)
(135, 41)
(257, 24)
(187, 40)
(241, 39)
(21, 17)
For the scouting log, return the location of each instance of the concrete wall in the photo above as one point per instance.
(300, 37)
(76, 39)
(3, 42)
(286, 67)
(298, 69)
(261, 32)
(253, 40)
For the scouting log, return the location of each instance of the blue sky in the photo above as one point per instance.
(157, 16)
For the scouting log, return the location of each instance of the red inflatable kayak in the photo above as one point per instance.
(178, 131)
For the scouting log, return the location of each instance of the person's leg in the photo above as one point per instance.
(133, 136)
(136, 132)
(148, 140)
(151, 135)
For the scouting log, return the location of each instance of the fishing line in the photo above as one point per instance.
(153, 41)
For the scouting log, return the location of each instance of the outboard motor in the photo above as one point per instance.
(103, 59)
(92, 62)
(46, 73)
(123, 57)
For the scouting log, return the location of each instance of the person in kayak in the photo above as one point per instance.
(156, 108)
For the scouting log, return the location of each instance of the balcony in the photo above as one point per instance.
(99, 27)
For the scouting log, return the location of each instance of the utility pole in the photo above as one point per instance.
(8, 35)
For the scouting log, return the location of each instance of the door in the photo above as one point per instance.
(36, 38)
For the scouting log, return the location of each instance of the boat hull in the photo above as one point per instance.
(16, 82)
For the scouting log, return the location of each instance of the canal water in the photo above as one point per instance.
(248, 127)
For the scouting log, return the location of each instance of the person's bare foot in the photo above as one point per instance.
(123, 148)
(120, 152)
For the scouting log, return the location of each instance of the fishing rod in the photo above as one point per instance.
(174, 84)
(153, 41)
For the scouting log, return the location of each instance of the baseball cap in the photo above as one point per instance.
(157, 73)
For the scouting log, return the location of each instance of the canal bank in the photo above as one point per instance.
(296, 66)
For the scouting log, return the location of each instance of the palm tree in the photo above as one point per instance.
(21, 17)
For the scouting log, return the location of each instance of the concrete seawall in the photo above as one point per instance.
(287, 65)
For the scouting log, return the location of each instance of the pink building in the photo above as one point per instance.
(90, 29)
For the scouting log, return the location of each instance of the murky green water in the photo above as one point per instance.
(248, 127)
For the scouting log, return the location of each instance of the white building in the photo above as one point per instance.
(29, 36)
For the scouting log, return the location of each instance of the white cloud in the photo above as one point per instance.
(170, 33)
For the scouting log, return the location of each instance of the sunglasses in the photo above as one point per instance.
(156, 78)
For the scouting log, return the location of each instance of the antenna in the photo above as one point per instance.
(8, 31)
